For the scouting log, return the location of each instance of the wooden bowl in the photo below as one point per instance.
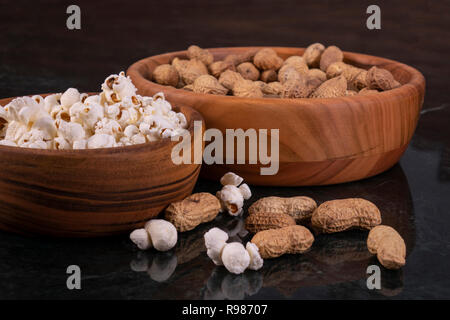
(321, 141)
(92, 192)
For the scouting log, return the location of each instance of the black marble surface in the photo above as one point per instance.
(38, 54)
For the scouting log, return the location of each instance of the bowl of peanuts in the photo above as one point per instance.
(338, 116)
(87, 165)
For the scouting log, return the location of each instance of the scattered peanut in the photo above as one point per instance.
(287, 240)
(339, 215)
(265, 221)
(300, 208)
(388, 245)
(196, 209)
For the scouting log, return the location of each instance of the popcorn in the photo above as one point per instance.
(69, 97)
(72, 120)
(100, 140)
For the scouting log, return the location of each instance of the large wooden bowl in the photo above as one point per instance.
(94, 192)
(322, 141)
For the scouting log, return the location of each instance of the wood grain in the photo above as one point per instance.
(95, 192)
(322, 141)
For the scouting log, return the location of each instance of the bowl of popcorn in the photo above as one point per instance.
(331, 116)
(84, 165)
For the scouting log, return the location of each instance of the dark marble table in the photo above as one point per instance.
(38, 54)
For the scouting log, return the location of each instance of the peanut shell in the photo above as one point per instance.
(198, 208)
(340, 215)
(264, 221)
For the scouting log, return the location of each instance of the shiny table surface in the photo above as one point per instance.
(38, 54)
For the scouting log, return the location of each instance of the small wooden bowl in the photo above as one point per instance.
(92, 192)
(322, 141)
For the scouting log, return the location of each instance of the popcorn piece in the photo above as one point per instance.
(245, 191)
(69, 97)
(79, 144)
(61, 144)
(256, 262)
(235, 258)
(141, 239)
(72, 131)
(8, 143)
(215, 241)
(101, 141)
(163, 234)
(47, 126)
(231, 178)
(231, 198)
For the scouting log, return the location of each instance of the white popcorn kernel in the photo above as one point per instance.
(144, 128)
(39, 100)
(15, 106)
(231, 178)
(134, 116)
(165, 133)
(40, 144)
(51, 101)
(256, 262)
(130, 131)
(92, 99)
(245, 191)
(61, 144)
(8, 143)
(72, 131)
(215, 241)
(15, 131)
(76, 110)
(69, 97)
(100, 141)
(235, 258)
(91, 115)
(163, 234)
(123, 117)
(47, 126)
(112, 111)
(138, 139)
(108, 126)
(83, 97)
(141, 239)
(182, 119)
(79, 144)
(231, 199)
